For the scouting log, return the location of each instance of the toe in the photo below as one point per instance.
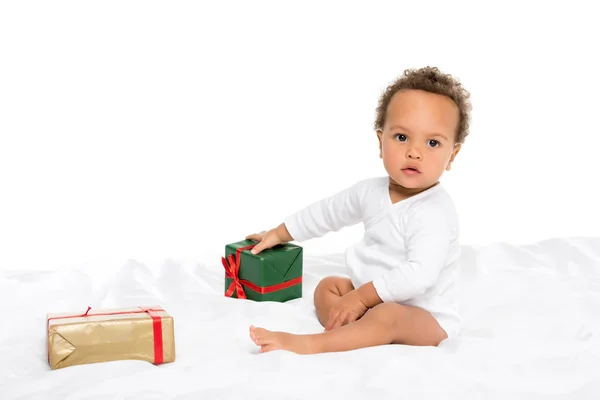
(259, 331)
(267, 347)
(261, 336)
(260, 341)
(253, 334)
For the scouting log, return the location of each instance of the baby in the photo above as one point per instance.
(402, 273)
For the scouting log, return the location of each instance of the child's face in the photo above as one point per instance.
(417, 141)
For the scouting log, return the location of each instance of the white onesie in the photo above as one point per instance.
(410, 249)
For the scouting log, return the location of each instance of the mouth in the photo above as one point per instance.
(411, 170)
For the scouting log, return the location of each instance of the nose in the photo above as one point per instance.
(413, 153)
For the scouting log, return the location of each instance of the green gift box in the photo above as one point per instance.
(274, 274)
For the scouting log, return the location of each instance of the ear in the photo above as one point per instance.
(453, 155)
(379, 137)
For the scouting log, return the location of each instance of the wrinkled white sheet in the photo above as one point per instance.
(531, 331)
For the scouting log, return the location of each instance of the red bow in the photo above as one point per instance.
(232, 270)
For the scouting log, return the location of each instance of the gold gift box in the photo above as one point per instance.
(110, 335)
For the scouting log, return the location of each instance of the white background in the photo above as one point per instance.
(153, 130)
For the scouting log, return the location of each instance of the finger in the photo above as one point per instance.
(267, 242)
(259, 247)
(336, 320)
(346, 320)
(254, 236)
(330, 320)
(336, 324)
(341, 321)
(328, 324)
(351, 318)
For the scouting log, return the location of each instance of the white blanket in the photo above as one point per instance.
(531, 331)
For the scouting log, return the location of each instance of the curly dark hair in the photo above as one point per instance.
(429, 79)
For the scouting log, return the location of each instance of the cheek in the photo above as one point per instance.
(442, 159)
(391, 154)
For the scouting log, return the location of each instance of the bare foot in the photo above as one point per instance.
(268, 341)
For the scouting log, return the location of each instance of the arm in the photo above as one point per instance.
(429, 233)
(328, 215)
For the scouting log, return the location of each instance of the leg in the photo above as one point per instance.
(385, 323)
(328, 292)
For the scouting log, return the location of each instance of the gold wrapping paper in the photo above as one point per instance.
(95, 338)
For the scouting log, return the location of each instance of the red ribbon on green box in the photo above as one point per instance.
(232, 270)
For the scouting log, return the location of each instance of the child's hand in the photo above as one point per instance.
(347, 310)
(279, 235)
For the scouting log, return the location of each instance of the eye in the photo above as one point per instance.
(401, 137)
(433, 143)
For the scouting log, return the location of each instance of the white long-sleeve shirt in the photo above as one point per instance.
(410, 249)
